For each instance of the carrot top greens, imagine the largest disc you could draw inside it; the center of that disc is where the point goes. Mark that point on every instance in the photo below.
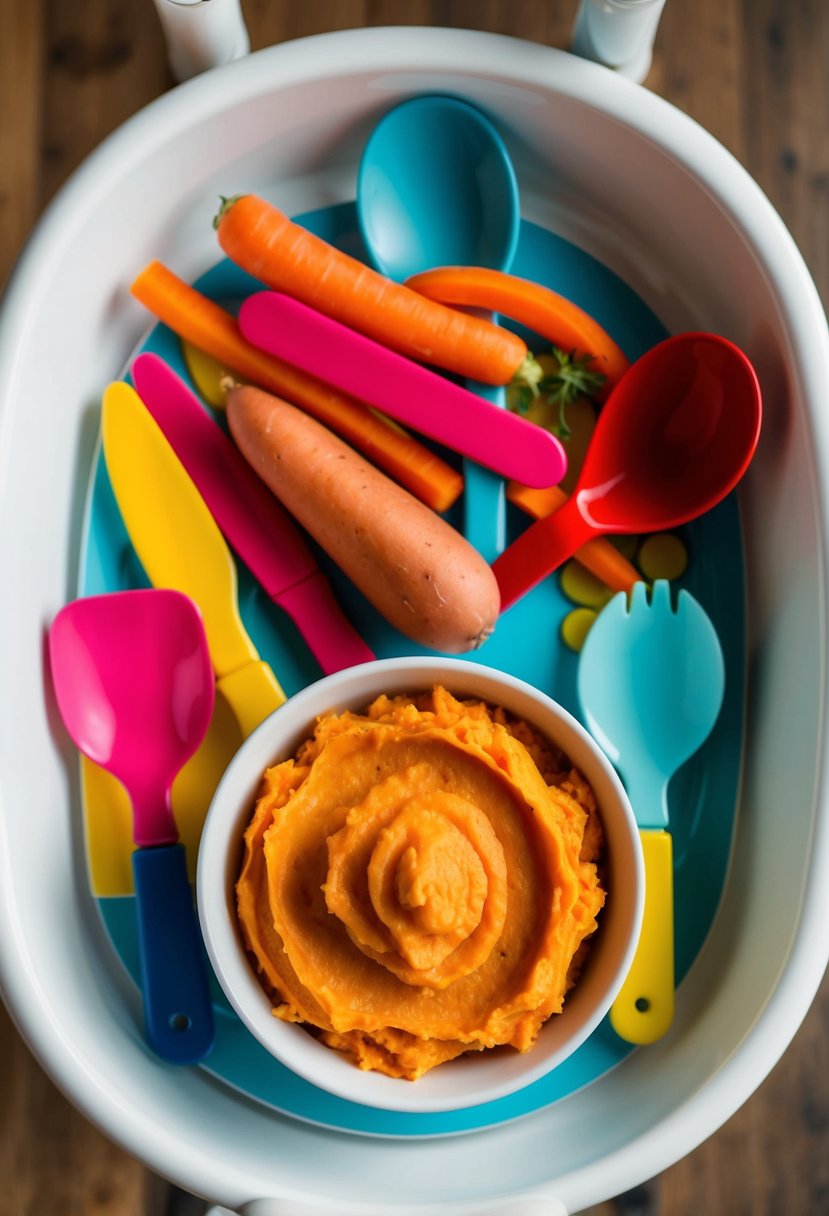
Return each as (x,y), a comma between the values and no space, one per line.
(572,378)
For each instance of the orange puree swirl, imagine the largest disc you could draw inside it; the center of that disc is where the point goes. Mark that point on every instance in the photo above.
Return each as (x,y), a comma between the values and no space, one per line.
(416,880)
(419,880)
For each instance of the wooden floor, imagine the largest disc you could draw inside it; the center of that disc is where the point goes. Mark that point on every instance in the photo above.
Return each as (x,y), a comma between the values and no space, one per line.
(756,74)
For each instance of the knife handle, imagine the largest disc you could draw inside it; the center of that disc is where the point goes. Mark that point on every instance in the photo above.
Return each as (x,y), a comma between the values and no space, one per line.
(330,636)
(178,1013)
(644,1009)
(252,692)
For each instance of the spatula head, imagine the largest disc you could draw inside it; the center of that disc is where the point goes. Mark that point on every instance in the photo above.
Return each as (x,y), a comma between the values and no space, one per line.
(134,682)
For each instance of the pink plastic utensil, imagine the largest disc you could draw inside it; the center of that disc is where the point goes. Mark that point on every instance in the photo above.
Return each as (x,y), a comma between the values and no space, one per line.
(402,389)
(251,518)
(673,438)
(134,686)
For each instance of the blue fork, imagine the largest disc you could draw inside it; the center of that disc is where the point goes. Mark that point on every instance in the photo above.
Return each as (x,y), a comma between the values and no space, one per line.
(651,681)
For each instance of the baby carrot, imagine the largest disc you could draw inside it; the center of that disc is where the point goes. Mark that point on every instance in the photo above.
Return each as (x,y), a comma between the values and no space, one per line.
(545,312)
(598,556)
(285,256)
(212,330)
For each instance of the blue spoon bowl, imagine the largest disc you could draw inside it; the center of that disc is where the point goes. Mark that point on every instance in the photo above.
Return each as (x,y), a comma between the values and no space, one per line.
(436,187)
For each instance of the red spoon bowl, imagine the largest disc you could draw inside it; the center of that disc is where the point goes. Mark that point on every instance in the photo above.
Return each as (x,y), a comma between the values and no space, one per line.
(674,437)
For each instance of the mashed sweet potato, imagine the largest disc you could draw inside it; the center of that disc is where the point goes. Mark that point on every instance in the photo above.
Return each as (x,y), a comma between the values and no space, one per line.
(420,881)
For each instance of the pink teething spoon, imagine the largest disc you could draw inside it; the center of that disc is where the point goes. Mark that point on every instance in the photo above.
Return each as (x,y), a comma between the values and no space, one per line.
(406,391)
(135,685)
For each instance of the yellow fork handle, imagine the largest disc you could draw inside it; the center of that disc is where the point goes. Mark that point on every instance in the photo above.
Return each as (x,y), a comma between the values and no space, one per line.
(644,1009)
(252,692)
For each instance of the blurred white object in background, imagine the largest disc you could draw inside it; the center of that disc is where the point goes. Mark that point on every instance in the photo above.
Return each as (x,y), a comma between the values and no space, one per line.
(618,34)
(202,34)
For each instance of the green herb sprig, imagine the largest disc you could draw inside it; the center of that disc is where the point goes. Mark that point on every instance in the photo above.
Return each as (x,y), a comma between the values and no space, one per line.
(573,378)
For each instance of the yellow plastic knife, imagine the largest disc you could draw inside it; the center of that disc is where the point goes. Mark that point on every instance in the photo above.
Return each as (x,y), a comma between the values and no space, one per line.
(180,546)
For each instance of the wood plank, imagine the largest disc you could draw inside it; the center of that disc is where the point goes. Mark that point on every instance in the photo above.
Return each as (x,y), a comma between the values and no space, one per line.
(105,61)
(787,139)
(21,49)
(698,65)
(753,72)
(269,24)
(52,1161)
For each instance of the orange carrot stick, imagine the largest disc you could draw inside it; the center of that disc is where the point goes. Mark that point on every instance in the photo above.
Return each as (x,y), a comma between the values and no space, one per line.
(287,257)
(598,556)
(545,312)
(215,332)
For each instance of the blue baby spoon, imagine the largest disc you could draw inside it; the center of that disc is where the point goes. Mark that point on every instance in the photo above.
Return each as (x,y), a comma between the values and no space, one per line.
(436,187)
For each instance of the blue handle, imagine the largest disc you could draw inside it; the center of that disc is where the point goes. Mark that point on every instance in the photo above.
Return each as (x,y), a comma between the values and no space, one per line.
(484,495)
(178,1012)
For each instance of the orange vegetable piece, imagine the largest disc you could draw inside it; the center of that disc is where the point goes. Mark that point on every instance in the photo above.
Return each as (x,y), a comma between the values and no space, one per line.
(545,312)
(215,332)
(285,256)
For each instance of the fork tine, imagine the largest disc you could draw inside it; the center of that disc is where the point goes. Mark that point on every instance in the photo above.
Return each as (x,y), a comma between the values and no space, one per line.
(661,596)
(639,598)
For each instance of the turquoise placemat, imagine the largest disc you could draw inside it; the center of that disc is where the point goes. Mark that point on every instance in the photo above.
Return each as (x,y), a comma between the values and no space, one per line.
(527,644)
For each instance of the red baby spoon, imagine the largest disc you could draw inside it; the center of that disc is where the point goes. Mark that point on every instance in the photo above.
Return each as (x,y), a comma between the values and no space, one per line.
(673,438)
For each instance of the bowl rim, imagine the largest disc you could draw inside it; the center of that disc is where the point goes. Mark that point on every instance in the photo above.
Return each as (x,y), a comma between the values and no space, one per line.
(276,738)
(84,1075)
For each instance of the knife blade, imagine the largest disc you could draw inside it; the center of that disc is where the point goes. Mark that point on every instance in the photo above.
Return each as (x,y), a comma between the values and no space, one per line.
(180,547)
(251,518)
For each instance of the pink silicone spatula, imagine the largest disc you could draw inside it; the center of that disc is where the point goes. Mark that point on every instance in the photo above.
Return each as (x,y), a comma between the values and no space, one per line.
(134,685)
(406,391)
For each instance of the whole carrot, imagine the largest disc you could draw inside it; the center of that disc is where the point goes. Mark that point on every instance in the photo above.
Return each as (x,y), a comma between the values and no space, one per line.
(285,256)
(212,330)
(545,312)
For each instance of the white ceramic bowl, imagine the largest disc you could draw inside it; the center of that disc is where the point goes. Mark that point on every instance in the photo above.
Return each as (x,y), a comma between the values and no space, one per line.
(459,1083)
(640,186)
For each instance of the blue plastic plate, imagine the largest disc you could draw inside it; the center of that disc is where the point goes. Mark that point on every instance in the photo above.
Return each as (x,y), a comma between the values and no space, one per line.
(527,644)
